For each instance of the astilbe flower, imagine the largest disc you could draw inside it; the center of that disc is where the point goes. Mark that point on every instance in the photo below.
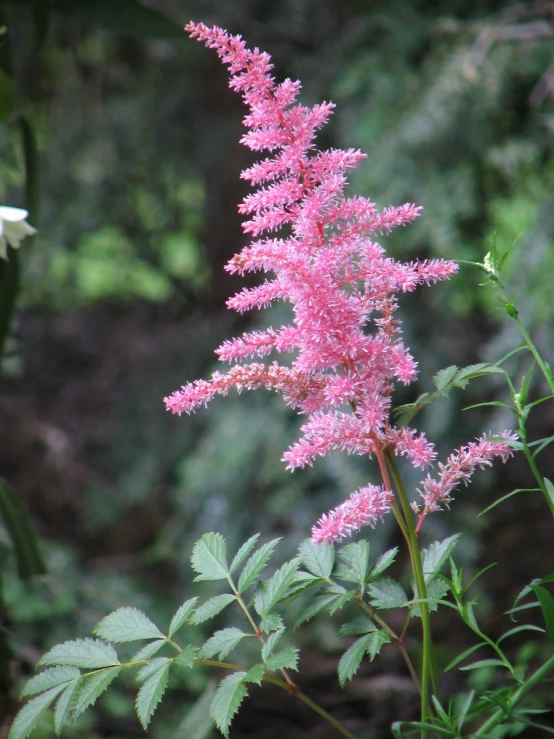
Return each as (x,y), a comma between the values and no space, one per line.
(320,249)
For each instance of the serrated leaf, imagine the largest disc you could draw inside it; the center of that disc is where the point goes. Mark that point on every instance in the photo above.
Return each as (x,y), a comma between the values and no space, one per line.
(209,558)
(384,562)
(271,643)
(444,377)
(222,642)
(243,552)
(62,712)
(435,555)
(226,702)
(212,607)
(332,601)
(317,558)
(92,686)
(465,374)
(272,622)
(256,564)
(358,625)
(255,674)
(87,653)
(126,624)
(182,615)
(436,589)
(151,693)
(353,562)
(284,659)
(153,666)
(369,644)
(149,650)
(302,581)
(49,679)
(26,719)
(187,656)
(351,660)
(277,585)
(387,593)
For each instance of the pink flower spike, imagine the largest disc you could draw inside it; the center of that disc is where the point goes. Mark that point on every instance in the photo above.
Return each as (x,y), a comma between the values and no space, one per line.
(460,466)
(363,508)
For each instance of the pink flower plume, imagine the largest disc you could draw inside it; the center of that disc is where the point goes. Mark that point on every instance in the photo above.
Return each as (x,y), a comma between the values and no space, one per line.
(364,507)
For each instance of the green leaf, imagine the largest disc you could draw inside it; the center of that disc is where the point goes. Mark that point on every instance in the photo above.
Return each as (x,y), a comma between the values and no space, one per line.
(436,590)
(222,642)
(353,562)
(267,597)
(151,693)
(351,659)
(384,562)
(126,624)
(435,555)
(317,558)
(92,686)
(387,593)
(230,693)
(332,601)
(547,607)
(182,615)
(62,712)
(149,650)
(549,488)
(127,17)
(27,554)
(484,663)
(271,643)
(243,552)
(272,622)
(209,558)
(444,378)
(358,625)
(152,667)
(255,565)
(87,653)
(212,607)
(26,719)
(255,674)
(187,656)
(49,679)
(285,659)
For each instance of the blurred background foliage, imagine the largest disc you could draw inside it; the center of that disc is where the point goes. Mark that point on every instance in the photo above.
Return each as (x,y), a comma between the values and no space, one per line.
(120,137)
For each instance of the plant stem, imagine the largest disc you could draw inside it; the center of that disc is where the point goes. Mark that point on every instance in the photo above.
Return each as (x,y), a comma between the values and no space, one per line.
(427,667)
(396,639)
(484,731)
(534,351)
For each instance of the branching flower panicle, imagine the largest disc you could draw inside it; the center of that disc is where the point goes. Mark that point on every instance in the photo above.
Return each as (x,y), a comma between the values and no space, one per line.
(320,250)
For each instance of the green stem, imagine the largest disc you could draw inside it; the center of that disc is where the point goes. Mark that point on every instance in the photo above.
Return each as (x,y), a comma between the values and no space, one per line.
(427,668)
(484,731)
(534,351)
(531,462)
(394,636)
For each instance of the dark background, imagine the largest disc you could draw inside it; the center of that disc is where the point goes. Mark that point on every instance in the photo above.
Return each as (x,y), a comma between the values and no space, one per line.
(134,187)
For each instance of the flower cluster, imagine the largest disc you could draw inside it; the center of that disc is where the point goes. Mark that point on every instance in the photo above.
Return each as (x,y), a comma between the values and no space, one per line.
(319,248)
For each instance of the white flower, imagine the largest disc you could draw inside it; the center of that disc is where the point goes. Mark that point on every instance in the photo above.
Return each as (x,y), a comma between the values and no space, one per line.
(13,228)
